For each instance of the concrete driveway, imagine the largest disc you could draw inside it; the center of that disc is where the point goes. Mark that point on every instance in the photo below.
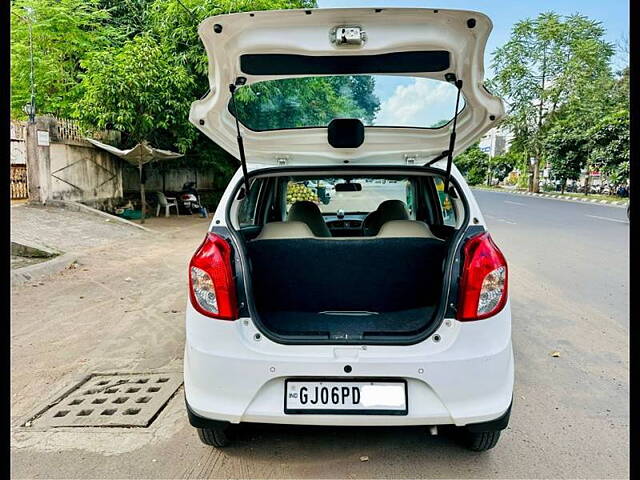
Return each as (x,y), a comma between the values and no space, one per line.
(123,309)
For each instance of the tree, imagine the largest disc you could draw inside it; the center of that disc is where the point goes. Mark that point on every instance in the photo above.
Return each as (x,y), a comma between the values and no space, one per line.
(304,102)
(141,90)
(64,33)
(175,24)
(129,17)
(502,165)
(590,132)
(566,147)
(439,123)
(610,146)
(546,63)
(473,163)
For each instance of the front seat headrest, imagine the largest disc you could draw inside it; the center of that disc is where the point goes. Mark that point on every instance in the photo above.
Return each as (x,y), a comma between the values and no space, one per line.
(309,213)
(393,210)
(387,211)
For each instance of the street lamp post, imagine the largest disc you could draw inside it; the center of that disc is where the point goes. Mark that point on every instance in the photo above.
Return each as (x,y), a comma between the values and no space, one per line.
(32,109)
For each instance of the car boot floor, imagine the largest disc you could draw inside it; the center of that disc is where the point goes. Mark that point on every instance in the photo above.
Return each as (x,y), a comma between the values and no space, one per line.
(352,324)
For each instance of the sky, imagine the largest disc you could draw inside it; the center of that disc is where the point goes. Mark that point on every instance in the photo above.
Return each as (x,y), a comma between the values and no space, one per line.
(409,101)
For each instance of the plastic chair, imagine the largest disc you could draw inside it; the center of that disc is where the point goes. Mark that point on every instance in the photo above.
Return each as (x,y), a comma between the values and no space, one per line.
(167,203)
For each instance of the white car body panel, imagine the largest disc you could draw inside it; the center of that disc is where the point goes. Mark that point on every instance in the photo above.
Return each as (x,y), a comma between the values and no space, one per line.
(464,378)
(467,377)
(390,30)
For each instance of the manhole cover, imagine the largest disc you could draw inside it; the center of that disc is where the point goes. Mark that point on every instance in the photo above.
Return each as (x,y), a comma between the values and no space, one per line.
(127,400)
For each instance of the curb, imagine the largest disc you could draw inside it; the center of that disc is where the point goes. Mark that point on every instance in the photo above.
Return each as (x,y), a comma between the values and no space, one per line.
(80,207)
(613,203)
(44,269)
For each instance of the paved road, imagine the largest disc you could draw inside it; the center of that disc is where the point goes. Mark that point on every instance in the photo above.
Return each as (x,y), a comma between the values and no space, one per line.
(580,250)
(122,311)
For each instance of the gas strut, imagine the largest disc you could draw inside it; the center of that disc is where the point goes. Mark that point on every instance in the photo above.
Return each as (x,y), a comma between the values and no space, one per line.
(452,140)
(243,160)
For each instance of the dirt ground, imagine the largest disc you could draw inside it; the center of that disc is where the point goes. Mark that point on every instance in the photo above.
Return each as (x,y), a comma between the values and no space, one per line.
(122,309)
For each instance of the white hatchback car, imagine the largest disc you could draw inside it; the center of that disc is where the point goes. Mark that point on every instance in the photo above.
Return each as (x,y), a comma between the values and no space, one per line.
(386,305)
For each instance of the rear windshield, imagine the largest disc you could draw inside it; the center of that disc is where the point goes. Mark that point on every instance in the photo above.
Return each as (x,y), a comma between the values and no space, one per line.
(377,100)
(352,195)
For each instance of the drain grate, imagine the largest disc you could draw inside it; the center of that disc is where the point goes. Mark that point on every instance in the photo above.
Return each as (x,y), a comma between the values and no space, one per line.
(127,400)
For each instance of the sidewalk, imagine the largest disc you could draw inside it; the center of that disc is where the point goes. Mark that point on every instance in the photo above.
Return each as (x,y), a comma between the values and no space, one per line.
(121,310)
(558,196)
(65,230)
(72,234)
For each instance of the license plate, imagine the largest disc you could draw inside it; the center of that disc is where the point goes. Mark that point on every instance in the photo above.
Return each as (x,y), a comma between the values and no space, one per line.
(367,397)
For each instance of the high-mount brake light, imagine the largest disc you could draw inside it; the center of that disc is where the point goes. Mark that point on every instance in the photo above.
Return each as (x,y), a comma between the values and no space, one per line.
(212,288)
(483,283)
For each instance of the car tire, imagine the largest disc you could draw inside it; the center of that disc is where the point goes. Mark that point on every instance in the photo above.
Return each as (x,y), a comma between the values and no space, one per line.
(480,441)
(215,436)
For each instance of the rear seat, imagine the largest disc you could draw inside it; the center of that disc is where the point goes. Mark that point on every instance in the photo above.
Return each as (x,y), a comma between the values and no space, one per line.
(399,269)
(405,229)
(281,230)
(391,229)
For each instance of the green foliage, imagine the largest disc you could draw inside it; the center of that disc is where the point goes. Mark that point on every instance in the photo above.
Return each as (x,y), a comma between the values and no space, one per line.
(171,22)
(473,164)
(134,65)
(175,26)
(130,17)
(502,165)
(591,131)
(304,102)
(610,146)
(548,62)
(566,148)
(64,33)
(140,90)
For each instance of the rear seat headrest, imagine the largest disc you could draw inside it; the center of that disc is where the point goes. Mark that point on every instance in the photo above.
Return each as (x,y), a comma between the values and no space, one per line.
(404,229)
(283,230)
(309,213)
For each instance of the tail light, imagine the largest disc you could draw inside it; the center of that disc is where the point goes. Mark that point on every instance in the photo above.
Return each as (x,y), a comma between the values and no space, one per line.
(211,285)
(483,284)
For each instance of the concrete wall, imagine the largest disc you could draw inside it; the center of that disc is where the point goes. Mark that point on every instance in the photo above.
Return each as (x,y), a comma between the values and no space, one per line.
(62,165)
(82,173)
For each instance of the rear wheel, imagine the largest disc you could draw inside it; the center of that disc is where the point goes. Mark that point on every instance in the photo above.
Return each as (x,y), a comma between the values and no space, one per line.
(215,436)
(480,441)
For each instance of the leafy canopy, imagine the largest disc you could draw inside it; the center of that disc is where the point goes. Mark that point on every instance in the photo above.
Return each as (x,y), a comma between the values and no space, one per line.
(306,102)
(473,164)
(139,89)
(548,62)
(64,33)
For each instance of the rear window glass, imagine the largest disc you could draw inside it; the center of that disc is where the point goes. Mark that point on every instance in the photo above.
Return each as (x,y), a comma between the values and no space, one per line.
(370,193)
(446,205)
(247,207)
(377,100)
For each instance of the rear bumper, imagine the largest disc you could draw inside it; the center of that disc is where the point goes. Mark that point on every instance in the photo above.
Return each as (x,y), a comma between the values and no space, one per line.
(465,378)
(496,425)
